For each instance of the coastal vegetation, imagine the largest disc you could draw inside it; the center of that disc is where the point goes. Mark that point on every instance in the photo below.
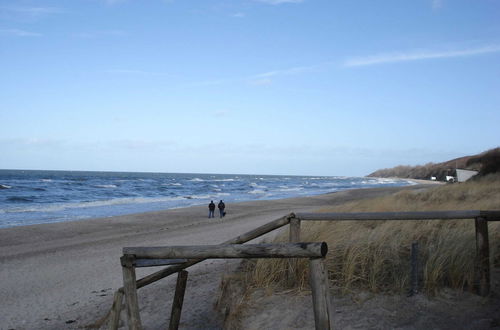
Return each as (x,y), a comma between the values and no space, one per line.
(375,255)
(486,162)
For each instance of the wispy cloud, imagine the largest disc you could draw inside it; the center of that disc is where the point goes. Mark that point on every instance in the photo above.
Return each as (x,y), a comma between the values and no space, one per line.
(264,78)
(286,72)
(33,12)
(279,2)
(18,33)
(418,55)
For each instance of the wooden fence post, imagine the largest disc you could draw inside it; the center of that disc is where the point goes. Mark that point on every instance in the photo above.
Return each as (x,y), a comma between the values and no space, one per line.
(414,269)
(180,289)
(116,309)
(482,262)
(318,278)
(292,270)
(130,288)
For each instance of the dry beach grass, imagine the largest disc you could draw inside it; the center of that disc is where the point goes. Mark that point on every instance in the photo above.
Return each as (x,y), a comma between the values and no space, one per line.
(368,264)
(375,255)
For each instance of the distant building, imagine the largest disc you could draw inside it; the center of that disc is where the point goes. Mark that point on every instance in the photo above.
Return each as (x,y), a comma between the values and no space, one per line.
(464,175)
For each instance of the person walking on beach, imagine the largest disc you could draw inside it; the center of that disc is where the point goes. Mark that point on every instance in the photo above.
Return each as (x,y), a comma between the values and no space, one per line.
(211,209)
(221,207)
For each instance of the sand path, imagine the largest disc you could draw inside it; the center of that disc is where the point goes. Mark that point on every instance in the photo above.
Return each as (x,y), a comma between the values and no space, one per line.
(63,275)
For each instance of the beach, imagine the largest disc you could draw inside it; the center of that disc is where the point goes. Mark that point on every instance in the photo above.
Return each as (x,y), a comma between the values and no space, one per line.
(63,275)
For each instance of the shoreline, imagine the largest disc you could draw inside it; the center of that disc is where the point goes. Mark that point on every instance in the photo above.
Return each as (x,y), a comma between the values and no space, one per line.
(63,275)
(47,207)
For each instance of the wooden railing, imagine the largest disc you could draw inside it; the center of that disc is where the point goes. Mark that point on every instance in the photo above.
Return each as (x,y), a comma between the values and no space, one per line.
(318,278)
(179,258)
(481,218)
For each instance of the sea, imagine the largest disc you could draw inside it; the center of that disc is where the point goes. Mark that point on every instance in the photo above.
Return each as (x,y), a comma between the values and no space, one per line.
(30,197)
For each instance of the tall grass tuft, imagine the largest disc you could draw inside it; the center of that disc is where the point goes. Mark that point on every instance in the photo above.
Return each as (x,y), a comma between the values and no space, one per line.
(375,255)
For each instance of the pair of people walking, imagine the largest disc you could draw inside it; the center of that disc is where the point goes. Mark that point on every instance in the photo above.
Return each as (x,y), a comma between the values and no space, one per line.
(211,209)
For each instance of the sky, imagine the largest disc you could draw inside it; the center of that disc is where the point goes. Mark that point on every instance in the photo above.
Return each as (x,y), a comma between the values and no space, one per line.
(293,87)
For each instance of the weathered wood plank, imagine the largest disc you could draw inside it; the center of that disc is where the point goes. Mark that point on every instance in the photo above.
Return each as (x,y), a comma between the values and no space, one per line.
(482,264)
(114,320)
(278,250)
(292,265)
(158,262)
(322,304)
(130,289)
(180,289)
(294,230)
(427,215)
(490,215)
(248,236)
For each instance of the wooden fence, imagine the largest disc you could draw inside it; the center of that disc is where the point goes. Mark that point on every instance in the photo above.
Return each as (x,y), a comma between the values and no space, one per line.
(181,257)
(318,278)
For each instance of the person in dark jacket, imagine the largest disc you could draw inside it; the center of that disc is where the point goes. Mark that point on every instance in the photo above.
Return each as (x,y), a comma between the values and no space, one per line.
(221,207)
(211,209)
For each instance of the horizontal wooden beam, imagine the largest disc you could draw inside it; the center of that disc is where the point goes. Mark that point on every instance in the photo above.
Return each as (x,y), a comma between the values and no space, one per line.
(490,215)
(279,250)
(157,262)
(427,215)
(248,236)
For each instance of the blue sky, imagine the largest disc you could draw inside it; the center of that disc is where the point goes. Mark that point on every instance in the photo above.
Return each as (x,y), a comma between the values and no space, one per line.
(247,86)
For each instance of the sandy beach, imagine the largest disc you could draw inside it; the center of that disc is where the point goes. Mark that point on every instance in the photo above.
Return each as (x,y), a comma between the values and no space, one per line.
(63,275)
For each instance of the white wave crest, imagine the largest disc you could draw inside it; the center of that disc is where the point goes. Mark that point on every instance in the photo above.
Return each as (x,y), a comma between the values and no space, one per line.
(257,191)
(106,186)
(291,189)
(255,185)
(116,201)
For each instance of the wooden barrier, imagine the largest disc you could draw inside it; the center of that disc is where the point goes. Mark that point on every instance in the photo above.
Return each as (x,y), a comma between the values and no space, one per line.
(248,236)
(131,260)
(482,260)
(314,251)
(227,251)
(180,289)
(428,215)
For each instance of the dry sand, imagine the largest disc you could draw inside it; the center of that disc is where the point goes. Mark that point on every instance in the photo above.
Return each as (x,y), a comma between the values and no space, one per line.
(63,275)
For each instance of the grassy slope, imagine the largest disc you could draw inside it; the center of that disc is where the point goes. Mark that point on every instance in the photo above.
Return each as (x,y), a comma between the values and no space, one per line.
(375,255)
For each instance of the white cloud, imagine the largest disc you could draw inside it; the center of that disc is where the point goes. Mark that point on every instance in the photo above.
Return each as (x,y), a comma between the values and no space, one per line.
(19,33)
(418,55)
(279,2)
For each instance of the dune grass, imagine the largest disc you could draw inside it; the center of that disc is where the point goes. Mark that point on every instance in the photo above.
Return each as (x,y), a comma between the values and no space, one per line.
(375,255)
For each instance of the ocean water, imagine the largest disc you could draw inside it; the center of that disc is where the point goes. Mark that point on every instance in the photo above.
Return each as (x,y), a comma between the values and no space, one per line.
(35,197)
